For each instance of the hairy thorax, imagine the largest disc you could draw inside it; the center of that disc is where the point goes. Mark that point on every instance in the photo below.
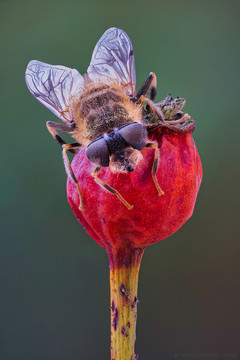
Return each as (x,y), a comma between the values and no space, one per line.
(101,108)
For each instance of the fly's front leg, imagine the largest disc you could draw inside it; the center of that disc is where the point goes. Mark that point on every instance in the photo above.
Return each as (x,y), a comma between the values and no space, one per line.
(110,189)
(69,171)
(155,167)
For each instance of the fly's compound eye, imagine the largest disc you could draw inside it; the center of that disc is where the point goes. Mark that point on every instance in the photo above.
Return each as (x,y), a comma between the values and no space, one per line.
(134,134)
(97,152)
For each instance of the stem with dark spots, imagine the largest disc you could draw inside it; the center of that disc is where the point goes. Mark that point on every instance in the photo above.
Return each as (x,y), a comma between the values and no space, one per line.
(124,270)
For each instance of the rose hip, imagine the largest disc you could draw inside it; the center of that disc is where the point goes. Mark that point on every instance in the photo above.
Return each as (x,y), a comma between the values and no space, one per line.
(125,233)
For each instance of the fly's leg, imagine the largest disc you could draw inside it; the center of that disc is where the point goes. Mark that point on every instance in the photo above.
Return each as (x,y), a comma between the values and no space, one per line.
(110,189)
(150,83)
(53,127)
(155,167)
(69,171)
(151,104)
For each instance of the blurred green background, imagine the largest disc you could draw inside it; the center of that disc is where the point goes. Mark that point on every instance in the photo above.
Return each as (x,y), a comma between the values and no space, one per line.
(54,291)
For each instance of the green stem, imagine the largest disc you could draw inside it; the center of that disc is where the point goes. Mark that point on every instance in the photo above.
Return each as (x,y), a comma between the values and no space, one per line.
(124,270)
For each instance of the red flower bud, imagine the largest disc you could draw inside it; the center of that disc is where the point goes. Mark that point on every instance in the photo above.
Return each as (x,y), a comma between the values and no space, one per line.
(153,218)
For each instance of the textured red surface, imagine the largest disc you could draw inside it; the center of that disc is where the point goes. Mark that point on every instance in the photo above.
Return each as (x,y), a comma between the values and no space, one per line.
(153,218)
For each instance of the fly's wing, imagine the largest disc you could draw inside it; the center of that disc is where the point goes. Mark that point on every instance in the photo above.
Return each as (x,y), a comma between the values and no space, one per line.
(113,58)
(53,86)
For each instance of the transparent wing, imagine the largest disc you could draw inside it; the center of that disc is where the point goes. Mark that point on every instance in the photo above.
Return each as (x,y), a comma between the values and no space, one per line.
(53,86)
(113,58)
